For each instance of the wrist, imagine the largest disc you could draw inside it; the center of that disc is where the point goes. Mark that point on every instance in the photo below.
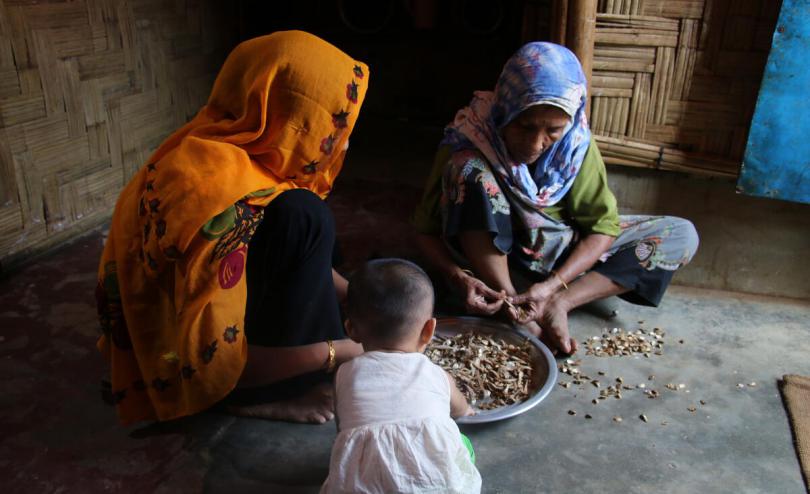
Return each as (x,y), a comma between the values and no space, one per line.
(455,275)
(560,300)
(330,363)
(545,289)
(346,349)
(558,281)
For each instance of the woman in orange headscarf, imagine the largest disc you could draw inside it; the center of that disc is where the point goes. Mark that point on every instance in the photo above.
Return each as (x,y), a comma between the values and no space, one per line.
(217,269)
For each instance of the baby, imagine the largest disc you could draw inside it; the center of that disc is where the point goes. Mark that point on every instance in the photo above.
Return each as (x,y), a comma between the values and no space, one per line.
(393,405)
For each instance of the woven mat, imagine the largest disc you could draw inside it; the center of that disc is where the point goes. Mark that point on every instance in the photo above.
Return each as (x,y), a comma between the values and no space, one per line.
(796,394)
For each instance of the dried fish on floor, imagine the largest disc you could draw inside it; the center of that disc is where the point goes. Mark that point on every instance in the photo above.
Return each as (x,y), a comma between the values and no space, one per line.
(618,342)
(490,372)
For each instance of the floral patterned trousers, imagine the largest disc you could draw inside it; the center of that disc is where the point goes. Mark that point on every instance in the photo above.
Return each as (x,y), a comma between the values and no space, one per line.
(643,258)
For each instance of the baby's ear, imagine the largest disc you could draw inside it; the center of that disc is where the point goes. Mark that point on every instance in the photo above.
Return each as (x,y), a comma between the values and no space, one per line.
(347,325)
(427,331)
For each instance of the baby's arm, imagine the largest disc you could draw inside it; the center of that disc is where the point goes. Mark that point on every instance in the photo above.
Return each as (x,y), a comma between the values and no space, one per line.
(458,403)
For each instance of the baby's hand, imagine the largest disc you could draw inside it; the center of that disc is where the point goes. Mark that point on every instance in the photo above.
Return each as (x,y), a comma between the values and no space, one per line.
(469,411)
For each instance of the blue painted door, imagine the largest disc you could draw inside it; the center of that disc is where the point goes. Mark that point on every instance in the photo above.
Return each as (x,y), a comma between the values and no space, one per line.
(777,158)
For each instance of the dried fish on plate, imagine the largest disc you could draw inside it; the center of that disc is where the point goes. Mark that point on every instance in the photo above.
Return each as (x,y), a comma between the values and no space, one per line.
(490,372)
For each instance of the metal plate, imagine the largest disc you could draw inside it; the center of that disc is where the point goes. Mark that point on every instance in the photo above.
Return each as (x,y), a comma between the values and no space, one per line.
(544,367)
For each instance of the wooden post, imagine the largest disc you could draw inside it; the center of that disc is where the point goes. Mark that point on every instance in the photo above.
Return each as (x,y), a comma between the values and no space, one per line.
(559,19)
(579,36)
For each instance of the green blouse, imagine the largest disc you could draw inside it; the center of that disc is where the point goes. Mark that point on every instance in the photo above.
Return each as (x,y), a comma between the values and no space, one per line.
(589,205)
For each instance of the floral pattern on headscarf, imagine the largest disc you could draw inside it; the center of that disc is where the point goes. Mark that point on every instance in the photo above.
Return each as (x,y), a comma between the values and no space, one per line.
(538,73)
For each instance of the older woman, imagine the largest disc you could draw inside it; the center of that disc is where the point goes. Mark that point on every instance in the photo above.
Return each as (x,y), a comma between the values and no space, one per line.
(217,270)
(519,183)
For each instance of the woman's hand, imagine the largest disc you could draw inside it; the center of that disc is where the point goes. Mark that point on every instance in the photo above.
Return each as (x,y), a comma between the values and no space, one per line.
(530,305)
(539,308)
(478,297)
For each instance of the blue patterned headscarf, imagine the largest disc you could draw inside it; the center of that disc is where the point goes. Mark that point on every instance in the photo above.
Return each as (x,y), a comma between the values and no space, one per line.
(538,73)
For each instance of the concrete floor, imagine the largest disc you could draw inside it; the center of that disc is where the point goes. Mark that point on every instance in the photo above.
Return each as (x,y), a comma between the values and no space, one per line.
(56,434)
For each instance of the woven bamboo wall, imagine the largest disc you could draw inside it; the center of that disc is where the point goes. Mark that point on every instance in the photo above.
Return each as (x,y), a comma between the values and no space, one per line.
(88,89)
(675,82)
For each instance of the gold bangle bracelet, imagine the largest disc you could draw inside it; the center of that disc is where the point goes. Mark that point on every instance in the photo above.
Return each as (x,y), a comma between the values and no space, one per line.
(331,360)
(557,275)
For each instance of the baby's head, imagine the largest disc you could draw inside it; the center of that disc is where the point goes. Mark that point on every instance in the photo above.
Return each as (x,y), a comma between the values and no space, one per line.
(390,306)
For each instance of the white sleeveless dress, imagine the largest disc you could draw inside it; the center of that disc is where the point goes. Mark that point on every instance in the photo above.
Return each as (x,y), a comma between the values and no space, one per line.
(395,433)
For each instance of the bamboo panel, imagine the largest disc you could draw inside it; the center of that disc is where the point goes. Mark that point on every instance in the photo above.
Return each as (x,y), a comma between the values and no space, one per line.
(10,219)
(612,92)
(9,83)
(617,80)
(19,110)
(6,53)
(641,53)
(711,30)
(29,80)
(610,112)
(605,20)
(639,106)
(661,84)
(97,143)
(636,37)
(96,65)
(88,89)
(674,82)
(685,60)
(29,192)
(605,64)
(632,7)
(643,155)
(7,188)
(598,114)
(690,115)
(664,134)
(677,9)
(623,115)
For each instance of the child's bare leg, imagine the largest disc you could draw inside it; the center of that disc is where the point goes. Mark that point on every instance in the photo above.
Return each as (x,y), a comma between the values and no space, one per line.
(316,406)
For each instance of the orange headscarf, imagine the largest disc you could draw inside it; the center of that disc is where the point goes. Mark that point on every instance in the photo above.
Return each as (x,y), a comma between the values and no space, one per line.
(171,286)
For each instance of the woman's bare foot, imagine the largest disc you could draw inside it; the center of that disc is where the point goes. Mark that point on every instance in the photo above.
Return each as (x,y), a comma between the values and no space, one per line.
(316,406)
(555,328)
(533,328)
